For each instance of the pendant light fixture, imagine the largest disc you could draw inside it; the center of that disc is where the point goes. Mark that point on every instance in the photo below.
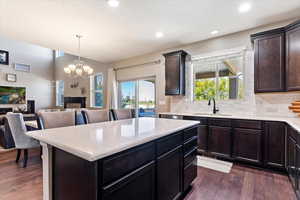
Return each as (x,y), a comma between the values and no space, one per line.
(79,68)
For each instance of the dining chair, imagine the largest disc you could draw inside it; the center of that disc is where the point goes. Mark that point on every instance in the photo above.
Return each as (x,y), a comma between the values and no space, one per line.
(119,114)
(22,141)
(96,116)
(56,119)
(79,118)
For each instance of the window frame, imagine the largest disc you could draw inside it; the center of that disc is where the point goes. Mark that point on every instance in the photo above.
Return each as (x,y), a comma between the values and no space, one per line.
(192,77)
(93,91)
(137,91)
(57,93)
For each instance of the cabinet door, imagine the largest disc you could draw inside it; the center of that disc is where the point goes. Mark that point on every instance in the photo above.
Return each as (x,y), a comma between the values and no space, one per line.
(269,64)
(247,145)
(172,64)
(169,175)
(274,155)
(202,138)
(293,59)
(291,165)
(135,186)
(219,141)
(297,172)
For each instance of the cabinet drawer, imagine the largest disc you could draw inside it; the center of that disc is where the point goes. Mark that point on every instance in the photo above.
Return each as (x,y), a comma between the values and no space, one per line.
(220,122)
(140,184)
(251,124)
(168,143)
(203,121)
(190,157)
(190,133)
(190,145)
(190,173)
(125,162)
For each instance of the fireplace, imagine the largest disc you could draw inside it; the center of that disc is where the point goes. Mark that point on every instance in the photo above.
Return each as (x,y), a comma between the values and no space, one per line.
(74,102)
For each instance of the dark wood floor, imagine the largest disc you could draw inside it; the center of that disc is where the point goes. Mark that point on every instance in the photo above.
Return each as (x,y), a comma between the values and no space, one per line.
(242,183)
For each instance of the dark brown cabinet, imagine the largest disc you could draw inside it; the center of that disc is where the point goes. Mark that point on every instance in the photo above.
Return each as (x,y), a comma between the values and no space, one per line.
(291,156)
(175,63)
(277,59)
(247,145)
(293,57)
(202,132)
(274,139)
(162,169)
(202,138)
(219,141)
(297,170)
(169,175)
(269,61)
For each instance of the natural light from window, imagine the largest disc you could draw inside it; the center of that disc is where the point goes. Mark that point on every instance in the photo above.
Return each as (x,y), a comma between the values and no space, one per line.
(218,77)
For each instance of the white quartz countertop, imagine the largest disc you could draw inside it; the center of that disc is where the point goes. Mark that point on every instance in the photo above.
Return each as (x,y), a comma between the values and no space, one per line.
(95,141)
(292,121)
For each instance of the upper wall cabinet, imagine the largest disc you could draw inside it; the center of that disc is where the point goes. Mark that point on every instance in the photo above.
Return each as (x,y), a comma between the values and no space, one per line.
(175,63)
(293,57)
(277,59)
(269,61)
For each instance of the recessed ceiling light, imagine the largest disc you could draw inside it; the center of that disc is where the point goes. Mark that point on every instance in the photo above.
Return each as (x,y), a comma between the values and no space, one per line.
(159,34)
(214,32)
(245,7)
(113,3)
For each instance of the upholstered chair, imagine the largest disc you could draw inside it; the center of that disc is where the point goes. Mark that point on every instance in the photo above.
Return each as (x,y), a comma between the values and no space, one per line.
(96,116)
(119,114)
(79,118)
(56,119)
(22,141)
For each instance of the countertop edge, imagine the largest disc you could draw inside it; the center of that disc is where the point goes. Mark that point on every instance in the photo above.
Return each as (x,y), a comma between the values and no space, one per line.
(92,158)
(289,120)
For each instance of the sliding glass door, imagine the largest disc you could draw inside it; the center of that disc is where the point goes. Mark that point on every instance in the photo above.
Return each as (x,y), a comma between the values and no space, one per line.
(138,95)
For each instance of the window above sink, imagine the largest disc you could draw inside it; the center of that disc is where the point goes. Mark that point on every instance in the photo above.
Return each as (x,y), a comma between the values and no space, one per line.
(221,77)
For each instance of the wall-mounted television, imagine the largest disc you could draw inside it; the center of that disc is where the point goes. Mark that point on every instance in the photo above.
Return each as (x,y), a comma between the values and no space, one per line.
(12,95)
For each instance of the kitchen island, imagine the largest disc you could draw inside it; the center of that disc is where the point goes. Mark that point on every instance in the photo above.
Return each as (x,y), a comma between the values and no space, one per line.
(142,158)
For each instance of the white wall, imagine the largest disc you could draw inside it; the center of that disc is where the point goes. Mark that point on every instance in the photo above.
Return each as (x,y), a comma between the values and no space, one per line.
(272,104)
(98,67)
(39,82)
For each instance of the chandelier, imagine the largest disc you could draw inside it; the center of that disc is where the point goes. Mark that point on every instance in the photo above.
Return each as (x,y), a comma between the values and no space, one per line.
(78,68)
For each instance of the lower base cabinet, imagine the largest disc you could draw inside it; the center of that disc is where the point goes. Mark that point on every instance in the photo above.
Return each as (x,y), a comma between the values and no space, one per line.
(190,173)
(158,170)
(291,160)
(219,141)
(202,138)
(247,145)
(169,175)
(274,145)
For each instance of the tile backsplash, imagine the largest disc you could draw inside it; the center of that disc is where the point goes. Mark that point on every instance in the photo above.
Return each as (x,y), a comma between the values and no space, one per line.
(263,104)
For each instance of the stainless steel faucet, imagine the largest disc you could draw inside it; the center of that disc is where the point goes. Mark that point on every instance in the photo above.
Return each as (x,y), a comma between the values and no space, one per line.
(215,110)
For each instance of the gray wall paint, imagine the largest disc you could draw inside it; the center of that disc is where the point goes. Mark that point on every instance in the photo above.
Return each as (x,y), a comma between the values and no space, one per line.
(98,67)
(39,82)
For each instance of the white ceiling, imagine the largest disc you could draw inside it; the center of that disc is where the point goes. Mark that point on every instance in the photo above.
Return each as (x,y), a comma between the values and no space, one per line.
(112,34)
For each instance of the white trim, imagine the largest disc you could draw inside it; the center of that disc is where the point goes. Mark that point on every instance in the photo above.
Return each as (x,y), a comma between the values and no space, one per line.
(241,51)
(93,91)
(219,53)
(136,107)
